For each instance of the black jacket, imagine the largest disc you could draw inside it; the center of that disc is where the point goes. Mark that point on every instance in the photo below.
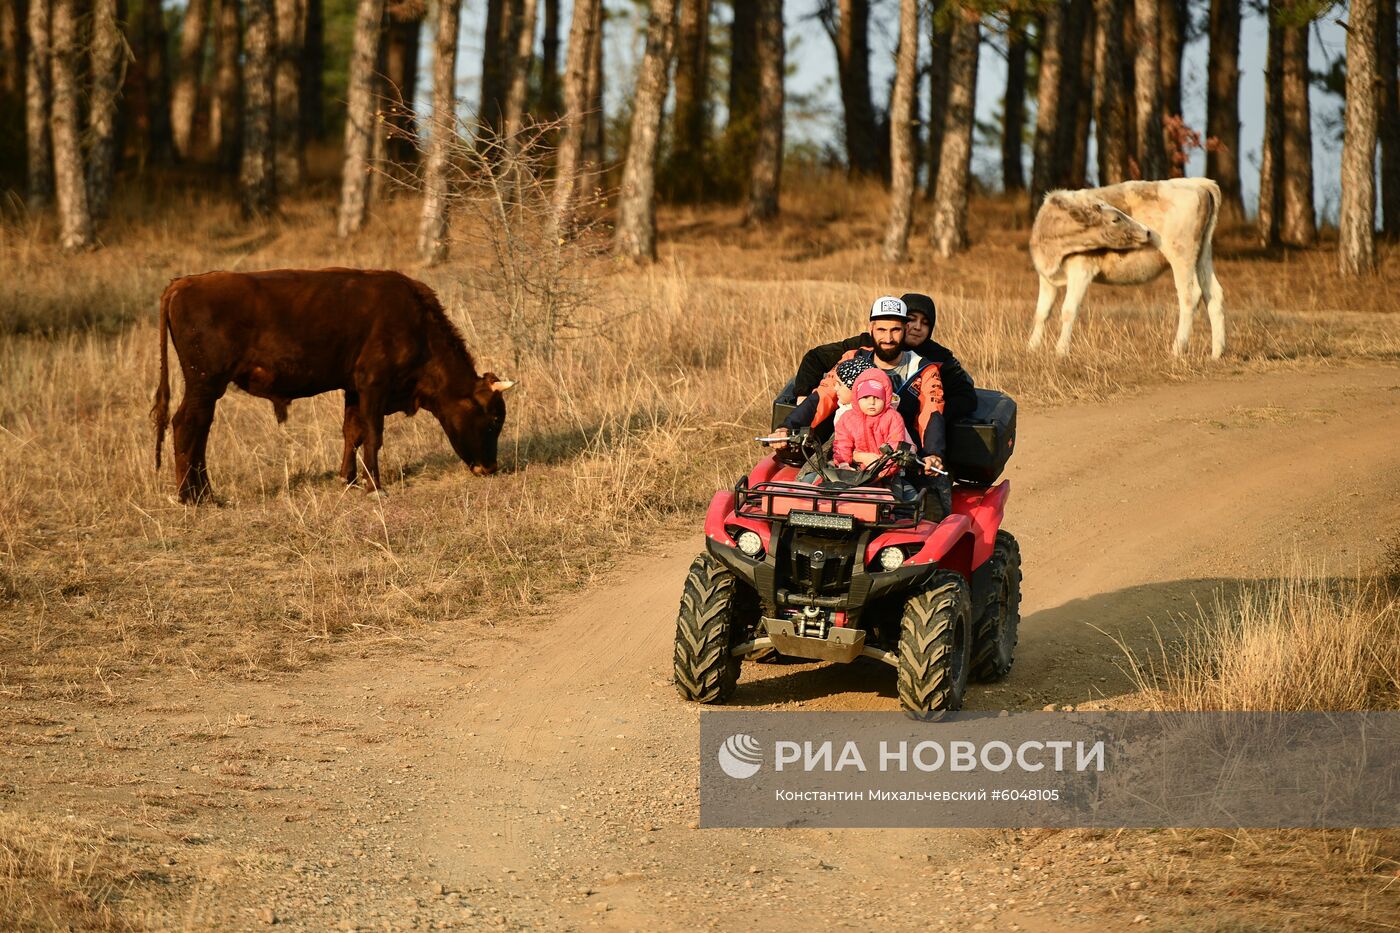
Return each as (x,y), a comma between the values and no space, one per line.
(959,394)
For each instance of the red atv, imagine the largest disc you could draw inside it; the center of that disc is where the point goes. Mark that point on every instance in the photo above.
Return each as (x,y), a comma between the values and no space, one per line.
(847,565)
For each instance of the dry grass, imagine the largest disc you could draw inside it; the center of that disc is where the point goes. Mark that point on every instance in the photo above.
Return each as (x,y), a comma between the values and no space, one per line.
(1304,641)
(52,879)
(620,438)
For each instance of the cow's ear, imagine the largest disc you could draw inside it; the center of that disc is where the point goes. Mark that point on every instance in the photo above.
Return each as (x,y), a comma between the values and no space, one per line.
(1084,214)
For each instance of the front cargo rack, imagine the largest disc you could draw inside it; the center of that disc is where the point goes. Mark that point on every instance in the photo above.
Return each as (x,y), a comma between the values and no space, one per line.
(807,506)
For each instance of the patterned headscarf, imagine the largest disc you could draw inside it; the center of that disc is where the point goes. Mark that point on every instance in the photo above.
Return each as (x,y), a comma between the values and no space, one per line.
(849,370)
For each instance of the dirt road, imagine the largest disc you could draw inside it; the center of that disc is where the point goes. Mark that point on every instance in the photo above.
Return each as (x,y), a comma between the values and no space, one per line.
(546,777)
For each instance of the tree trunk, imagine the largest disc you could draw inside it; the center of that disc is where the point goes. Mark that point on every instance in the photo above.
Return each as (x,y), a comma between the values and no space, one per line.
(896,248)
(583,30)
(1147,93)
(494,61)
(225,114)
(359,118)
(743,85)
(74,218)
(1173,18)
(549,62)
(520,62)
(258,175)
(432,230)
(765,174)
(13,48)
(108,64)
(1223,107)
(595,125)
(402,37)
(155,71)
(37,100)
(1076,141)
(1051,113)
(853,68)
(686,173)
(1357,223)
(1110,115)
(954,164)
(1271,153)
(189,65)
(313,64)
(1298,225)
(291,43)
(1013,122)
(1389,120)
(636,210)
(941,46)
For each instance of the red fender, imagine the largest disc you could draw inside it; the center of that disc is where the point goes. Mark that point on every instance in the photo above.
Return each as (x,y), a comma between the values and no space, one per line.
(946,536)
(770,470)
(986,509)
(721,508)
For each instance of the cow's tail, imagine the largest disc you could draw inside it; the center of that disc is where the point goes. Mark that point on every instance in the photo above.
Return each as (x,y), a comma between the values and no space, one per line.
(160,411)
(1213,191)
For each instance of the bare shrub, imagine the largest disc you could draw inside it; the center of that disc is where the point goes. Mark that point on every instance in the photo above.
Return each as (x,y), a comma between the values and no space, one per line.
(504,240)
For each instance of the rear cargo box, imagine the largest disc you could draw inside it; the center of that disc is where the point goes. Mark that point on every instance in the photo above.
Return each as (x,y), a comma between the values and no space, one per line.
(980,444)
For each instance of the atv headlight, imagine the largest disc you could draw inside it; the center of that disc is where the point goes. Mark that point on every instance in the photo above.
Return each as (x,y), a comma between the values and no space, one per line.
(750,543)
(890,558)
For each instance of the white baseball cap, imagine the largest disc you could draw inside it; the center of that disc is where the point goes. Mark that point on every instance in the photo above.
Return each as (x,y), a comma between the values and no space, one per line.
(889,307)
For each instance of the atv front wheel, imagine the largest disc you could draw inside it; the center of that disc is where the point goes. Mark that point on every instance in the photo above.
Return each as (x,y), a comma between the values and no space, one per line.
(994,633)
(934,647)
(706,669)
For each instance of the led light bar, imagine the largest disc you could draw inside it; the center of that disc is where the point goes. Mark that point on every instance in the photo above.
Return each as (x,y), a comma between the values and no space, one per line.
(825,521)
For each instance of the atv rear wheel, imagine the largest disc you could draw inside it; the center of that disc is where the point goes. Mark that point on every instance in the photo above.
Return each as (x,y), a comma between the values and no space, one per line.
(706,670)
(994,633)
(935,642)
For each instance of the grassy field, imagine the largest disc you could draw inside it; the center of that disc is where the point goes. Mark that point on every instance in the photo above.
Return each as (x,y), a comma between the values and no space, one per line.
(643,411)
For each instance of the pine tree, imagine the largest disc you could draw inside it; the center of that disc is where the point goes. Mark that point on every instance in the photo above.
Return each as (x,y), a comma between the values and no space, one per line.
(359,118)
(582,33)
(949,228)
(290,45)
(1357,224)
(432,231)
(765,172)
(635,237)
(74,218)
(37,105)
(258,171)
(1013,113)
(896,246)
(1223,106)
(189,64)
(108,64)
(1147,92)
(1110,113)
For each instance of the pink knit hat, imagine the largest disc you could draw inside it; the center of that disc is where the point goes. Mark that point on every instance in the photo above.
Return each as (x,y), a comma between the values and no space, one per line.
(873,382)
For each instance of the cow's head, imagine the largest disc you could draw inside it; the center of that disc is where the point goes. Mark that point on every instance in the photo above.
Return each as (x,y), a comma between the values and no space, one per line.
(1103,223)
(1077,222)
(473,422)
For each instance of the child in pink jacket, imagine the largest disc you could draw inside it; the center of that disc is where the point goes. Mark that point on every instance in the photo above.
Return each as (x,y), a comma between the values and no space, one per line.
(870,423)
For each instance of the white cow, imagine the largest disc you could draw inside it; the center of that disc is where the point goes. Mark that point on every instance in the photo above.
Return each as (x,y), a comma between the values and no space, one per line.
(1082,236)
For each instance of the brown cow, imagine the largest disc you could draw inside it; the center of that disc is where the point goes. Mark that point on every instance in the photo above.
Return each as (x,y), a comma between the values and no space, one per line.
(380,336)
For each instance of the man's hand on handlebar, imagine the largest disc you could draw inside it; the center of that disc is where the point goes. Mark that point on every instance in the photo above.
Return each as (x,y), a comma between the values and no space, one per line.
(933,465)
(778,432)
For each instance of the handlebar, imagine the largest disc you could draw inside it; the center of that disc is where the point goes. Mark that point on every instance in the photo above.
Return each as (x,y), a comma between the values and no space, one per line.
(810,448)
